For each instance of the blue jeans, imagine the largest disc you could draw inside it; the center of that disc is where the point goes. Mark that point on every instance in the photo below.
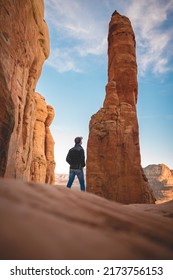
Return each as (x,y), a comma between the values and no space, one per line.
(79,173)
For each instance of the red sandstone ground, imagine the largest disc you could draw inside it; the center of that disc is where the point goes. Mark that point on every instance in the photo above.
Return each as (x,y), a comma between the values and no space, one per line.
(50,222)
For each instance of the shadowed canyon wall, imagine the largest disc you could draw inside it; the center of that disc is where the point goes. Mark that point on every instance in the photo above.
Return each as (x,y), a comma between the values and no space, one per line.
(24,45)
(113,154)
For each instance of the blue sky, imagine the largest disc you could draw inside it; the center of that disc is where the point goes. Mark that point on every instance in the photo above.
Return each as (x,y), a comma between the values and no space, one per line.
(73,78)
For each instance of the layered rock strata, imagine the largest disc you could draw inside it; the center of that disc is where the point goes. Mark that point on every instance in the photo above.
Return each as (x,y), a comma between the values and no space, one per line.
(43,164)
(24,44)
(113,154)
(160,178)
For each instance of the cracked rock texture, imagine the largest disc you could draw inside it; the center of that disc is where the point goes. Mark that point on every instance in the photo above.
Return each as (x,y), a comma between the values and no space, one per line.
(24,44)
(36,223)
(113,154)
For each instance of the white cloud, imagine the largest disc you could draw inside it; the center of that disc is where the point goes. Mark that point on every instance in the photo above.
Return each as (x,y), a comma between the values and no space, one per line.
(148,18)
(82,26)
(77,34)
(97,49)
(76,21)
(63,60)
(68,16)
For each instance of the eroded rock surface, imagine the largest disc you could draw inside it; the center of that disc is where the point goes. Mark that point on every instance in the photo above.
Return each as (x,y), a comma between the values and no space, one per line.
(39,163)
(24,44)
(160,178)
(113,154)
(43,164)
(49,147)
(41,222)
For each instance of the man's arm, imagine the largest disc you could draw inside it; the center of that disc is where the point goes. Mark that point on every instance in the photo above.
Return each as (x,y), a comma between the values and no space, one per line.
(68,158)
(83,158)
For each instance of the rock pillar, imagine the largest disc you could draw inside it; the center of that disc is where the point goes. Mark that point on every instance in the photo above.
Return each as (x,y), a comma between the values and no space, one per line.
(113,154)
(39,163)
(49,147)
(43,163)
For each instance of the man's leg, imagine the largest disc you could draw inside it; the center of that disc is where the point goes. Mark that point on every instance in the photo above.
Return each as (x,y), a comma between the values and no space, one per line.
(71,178)
(80,176)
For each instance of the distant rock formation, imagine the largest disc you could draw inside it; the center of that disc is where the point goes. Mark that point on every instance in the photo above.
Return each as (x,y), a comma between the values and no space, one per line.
(160,178)
(62,179)
(24,43)
(55,223)
(113,154)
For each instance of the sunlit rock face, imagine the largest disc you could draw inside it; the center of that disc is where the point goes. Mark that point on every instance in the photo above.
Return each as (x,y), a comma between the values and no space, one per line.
(39,163)
(43,164)
(113,154)
(160,178)
(24,44)
(49,147)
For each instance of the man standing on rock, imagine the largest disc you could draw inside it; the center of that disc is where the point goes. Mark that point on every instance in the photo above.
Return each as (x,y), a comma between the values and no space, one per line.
(76,159)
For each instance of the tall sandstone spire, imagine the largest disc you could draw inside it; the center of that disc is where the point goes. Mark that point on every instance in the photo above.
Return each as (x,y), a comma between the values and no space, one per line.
(113,154)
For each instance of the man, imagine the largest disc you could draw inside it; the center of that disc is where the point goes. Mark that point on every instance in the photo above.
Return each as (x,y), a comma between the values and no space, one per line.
(76,159)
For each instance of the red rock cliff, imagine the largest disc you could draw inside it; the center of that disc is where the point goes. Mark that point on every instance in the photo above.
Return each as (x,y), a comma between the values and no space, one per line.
(113,154)
(24,44)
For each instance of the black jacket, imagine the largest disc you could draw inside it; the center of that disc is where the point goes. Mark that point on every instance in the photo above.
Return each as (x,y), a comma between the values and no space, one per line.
(76,157)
